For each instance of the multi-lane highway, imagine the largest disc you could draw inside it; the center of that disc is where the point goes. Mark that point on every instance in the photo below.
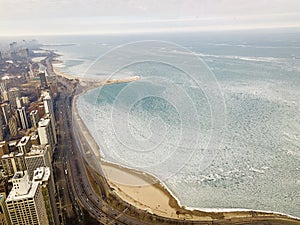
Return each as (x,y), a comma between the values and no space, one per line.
(77,176)
(69,209)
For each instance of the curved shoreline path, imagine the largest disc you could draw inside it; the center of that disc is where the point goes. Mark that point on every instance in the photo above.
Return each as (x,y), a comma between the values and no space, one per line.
(154,198)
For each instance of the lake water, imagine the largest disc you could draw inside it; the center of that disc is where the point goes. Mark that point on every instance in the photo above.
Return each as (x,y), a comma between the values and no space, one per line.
(215,116)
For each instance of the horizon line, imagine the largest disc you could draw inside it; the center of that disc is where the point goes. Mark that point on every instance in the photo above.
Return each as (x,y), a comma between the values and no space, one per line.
(157,31)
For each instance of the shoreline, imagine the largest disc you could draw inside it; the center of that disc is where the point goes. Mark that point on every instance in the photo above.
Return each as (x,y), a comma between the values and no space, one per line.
(188,213)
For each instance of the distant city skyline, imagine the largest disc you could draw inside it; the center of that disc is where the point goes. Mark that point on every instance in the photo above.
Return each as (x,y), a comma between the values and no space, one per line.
(140,16)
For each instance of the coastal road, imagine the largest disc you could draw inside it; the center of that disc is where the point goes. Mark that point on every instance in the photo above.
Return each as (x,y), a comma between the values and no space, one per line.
(68,208)
(79,180)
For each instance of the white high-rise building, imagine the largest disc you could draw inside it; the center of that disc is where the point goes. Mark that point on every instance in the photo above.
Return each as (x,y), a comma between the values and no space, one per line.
(34,118)
(43,175)
(49,111)
(46,133)
(19,103)
(5,112)
(24,144)
(48,104)
(22,118)
(51,117)
(38,156)
(25,202)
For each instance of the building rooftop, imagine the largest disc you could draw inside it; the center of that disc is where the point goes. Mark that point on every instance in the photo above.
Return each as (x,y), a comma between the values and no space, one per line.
(12,155)
(18,175)
(24,140)
(44,122)
(13,142)
(14,196)
(33,112)
(19,154)
(45,93)
(22,187)
(41,174)
(34,136)
(47,97)
(14,89)
(37,150)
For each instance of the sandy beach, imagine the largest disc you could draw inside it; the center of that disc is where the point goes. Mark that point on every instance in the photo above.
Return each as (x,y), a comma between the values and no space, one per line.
(60,73)
(139,190)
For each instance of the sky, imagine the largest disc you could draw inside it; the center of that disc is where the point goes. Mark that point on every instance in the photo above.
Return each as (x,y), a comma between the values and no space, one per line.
(44,17)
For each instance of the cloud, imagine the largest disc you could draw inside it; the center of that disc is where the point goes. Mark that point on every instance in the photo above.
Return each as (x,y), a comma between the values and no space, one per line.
(54,16)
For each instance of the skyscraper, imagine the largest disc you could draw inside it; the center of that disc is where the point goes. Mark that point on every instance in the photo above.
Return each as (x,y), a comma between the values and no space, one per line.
(21,112)
(12,163)
(12,125)
(5,112)
(24,144)
(51,117)
(3,148)
(1,129)
(4,95)
(3,90)
(19,103)
(34,118)
(13,94)
(49,112)
(25,202)
(22,118)
(43,80)
(48,104)
(46,133)
(43,175)
(4,216)
(38,156)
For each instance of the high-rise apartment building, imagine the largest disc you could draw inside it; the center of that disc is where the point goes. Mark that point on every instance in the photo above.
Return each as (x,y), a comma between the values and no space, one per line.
(12,163)
(13,94)
(4,216)
(3,148)
(34,118)
(25,202)
(21,112)
(3,91)
(5,112)
(43,175)
(52,120)
(48,104)
(49,112)
(45,132)
(38,156)
(24,144)
(43,79)
(22,118)
(1,129)
(13,126)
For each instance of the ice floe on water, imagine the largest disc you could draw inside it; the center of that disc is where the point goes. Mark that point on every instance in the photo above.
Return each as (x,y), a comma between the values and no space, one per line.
(255,167)
(257,164)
